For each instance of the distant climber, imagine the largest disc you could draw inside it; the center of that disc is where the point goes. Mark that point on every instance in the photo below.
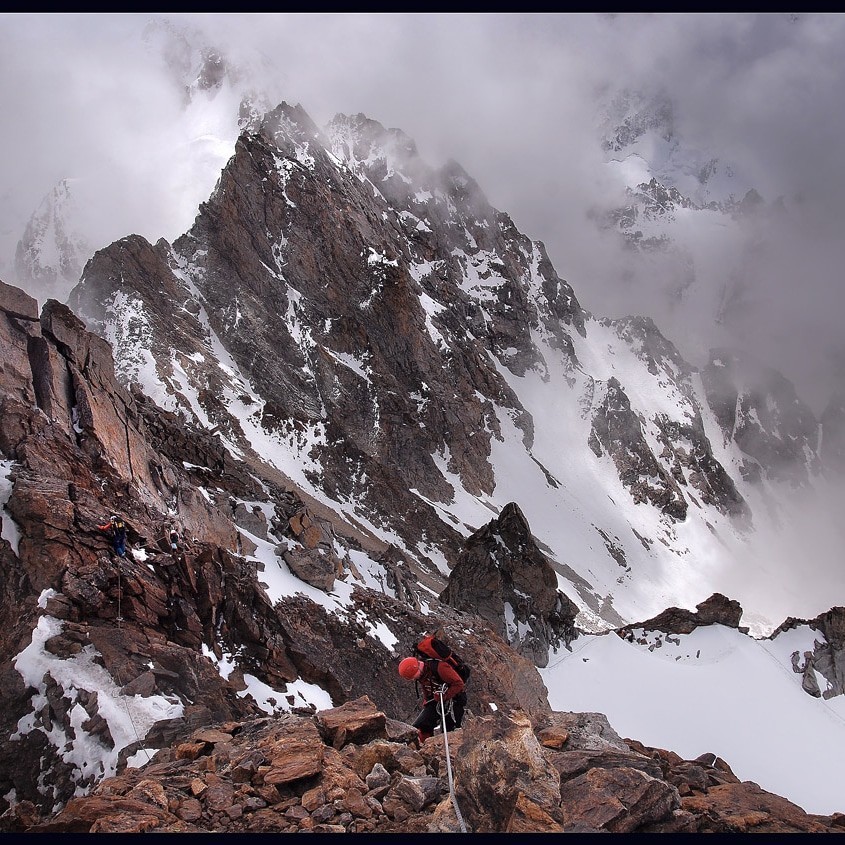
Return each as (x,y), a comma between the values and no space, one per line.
(173,538)
(441,687)
(115,528)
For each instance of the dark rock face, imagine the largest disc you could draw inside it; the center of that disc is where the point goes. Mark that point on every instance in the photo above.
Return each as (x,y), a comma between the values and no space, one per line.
(686,459)
(690,454)
(504,577)
(617,430)
(827,657)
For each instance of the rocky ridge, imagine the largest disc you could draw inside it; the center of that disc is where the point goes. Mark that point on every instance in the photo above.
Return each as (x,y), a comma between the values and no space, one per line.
(77,446)
(351,769)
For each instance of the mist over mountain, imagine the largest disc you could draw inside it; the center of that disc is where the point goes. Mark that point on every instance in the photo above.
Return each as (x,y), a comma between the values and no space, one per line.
(374,403)
(444,285)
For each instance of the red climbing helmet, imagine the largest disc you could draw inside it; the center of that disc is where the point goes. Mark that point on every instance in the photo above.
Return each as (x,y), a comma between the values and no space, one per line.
(410,668)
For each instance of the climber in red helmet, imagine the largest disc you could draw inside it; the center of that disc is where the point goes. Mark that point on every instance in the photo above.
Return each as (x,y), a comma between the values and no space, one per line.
(438,680)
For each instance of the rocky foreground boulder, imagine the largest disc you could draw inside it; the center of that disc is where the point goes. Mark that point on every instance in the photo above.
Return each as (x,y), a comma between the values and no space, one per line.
(351,769)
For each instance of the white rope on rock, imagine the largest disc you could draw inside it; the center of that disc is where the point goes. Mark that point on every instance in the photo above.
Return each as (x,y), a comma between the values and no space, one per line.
(442,709)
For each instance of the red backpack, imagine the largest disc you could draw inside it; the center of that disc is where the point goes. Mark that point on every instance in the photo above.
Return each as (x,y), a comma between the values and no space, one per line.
(431,647)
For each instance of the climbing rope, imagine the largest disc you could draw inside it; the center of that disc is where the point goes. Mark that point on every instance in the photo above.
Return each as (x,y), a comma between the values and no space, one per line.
(119,593)
(119,673)
(442,709)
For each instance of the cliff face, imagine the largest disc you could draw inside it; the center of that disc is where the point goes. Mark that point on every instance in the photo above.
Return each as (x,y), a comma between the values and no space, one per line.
(160,624)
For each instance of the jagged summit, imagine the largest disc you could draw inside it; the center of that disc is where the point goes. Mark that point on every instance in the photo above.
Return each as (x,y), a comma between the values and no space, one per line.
(52,250)
(392,344)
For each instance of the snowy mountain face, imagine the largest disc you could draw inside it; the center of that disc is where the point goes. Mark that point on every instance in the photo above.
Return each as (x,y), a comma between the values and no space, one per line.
(234,681)
(52,251)
(692,223)
(378,333)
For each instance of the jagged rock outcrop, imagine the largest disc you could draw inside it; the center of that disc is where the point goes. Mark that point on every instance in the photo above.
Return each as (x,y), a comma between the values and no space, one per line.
(351,769)
(825,657)
(716,610)
(502,575)
(617,430)
(685,469)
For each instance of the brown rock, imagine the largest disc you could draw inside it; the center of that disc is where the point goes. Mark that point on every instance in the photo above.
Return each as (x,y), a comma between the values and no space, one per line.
(553,737)
(744,808)
(527,817)
(355,803)
(220,793)
(211,735)
(150,792)
(500,758)
(189,750)
(110,814)
(570,764)
(313,798)
(616,800)
(717,609)
(16,303)
(189,810)
(296,754)
(359,720)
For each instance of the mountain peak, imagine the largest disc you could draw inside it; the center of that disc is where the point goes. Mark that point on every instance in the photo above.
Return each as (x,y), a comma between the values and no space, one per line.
(51,251)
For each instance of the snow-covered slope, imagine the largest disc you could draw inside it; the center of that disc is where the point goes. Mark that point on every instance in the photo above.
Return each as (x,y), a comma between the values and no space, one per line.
(714,691)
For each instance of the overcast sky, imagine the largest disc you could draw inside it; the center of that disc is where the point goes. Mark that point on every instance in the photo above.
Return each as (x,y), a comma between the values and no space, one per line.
(513,98)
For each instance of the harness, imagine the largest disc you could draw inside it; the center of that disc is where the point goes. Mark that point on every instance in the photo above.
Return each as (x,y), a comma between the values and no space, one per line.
(426,681)
(432,686)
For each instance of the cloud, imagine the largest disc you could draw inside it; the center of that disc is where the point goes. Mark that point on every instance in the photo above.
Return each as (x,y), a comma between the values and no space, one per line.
(514,98)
